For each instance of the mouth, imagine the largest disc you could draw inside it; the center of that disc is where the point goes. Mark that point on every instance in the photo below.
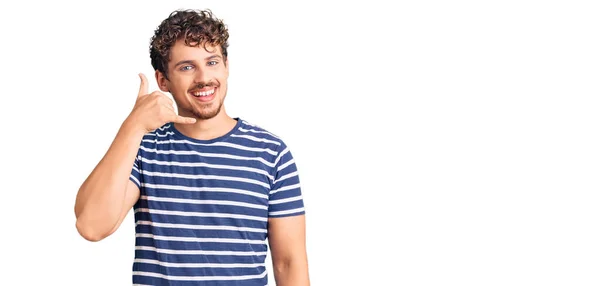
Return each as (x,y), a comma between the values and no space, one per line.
(204,95)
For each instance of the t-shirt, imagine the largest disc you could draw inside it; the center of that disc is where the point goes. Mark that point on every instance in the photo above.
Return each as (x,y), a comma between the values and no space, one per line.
(204,205)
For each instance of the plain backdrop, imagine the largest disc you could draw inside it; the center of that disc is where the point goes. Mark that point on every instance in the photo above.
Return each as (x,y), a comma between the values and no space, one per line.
(438,142)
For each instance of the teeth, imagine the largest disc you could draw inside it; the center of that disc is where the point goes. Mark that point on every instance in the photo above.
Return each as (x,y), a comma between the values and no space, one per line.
(204,93)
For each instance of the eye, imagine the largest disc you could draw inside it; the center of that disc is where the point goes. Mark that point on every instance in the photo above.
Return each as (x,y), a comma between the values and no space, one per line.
(212,63)
(186,68)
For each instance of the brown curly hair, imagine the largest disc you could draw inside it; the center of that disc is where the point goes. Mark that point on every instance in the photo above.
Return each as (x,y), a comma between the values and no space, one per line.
(196,27)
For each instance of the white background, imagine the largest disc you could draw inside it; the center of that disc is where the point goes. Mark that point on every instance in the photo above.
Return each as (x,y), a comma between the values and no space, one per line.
(438,142)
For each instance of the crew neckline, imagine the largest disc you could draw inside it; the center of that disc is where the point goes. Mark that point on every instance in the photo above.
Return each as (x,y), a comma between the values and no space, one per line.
(177,133)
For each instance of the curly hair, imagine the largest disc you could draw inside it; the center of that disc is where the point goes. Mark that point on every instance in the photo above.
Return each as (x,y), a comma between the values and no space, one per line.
(196,27)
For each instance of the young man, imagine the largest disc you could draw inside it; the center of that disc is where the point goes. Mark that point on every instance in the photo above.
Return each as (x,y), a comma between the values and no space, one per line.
(207,189)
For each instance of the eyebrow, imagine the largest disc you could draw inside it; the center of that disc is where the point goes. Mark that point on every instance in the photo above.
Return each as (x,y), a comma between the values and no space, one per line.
(213,57)
(190,62)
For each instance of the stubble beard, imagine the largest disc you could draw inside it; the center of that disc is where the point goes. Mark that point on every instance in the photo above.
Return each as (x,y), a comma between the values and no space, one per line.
(207,111)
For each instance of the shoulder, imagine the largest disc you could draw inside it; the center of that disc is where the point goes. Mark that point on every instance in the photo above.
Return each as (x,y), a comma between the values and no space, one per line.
(161,132)
(151,139)
(249,129)
(279,148)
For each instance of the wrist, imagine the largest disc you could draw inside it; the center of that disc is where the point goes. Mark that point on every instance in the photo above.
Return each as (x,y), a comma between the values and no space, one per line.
(131,127)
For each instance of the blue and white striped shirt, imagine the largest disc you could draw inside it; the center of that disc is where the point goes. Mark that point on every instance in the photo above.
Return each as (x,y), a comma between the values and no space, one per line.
(204,204)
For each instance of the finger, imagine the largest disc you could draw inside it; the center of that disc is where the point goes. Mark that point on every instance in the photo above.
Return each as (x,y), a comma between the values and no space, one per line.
(184,120)
(162,98)
(143,85)
(169,106)
(168,99)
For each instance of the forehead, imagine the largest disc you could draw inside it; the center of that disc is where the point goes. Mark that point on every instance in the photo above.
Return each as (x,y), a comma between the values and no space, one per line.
(180,51)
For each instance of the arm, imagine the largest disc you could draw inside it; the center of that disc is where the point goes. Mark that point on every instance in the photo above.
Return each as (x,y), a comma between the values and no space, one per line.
(107,195)
(287,241)
(286,224)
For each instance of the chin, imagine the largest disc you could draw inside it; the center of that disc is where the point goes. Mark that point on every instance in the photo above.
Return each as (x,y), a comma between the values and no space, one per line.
(206,114)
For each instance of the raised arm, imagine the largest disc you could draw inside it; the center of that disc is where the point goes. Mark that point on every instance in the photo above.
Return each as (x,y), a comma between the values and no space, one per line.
(106,196)
(101,200)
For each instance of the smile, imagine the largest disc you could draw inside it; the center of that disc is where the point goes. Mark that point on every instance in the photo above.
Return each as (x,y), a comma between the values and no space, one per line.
(203,93)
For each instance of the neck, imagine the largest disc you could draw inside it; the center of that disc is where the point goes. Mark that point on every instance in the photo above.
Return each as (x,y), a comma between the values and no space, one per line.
(208,129)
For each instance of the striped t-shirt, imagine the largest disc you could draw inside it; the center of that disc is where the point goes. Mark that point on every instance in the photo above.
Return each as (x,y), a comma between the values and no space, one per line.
(204,204)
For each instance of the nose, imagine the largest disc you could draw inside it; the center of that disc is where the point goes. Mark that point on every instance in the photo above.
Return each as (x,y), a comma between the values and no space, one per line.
(202,76)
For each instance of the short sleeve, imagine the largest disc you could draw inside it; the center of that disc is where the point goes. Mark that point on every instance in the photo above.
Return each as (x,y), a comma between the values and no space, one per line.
(136,176)
(285,196)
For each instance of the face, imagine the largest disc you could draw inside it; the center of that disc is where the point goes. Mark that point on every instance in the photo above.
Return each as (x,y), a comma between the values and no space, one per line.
(197,79)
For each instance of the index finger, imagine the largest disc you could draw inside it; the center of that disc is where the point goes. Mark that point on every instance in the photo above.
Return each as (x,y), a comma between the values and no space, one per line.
(143,85)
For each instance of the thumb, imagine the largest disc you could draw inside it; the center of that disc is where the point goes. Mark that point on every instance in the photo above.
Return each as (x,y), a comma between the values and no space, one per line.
(143,85)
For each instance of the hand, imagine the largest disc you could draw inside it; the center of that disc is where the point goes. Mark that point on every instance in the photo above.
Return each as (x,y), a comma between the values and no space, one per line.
(153,110)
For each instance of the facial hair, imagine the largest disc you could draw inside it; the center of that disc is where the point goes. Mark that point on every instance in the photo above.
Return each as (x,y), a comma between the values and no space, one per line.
(207,110)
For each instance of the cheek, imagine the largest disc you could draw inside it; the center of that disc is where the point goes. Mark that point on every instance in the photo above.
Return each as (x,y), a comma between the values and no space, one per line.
(222,77)
(180,86)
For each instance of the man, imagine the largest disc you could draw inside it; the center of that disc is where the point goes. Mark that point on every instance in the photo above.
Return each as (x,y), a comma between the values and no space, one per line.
(207,189)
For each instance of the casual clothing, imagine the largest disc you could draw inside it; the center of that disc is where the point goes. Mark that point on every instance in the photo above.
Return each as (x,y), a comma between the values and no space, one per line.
(204,204)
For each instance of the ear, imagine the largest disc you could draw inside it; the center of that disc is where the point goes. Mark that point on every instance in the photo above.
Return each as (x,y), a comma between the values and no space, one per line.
(162,81)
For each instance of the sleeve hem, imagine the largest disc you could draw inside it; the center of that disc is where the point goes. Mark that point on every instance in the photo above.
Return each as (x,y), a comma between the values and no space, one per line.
(134,180)
(286,215)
